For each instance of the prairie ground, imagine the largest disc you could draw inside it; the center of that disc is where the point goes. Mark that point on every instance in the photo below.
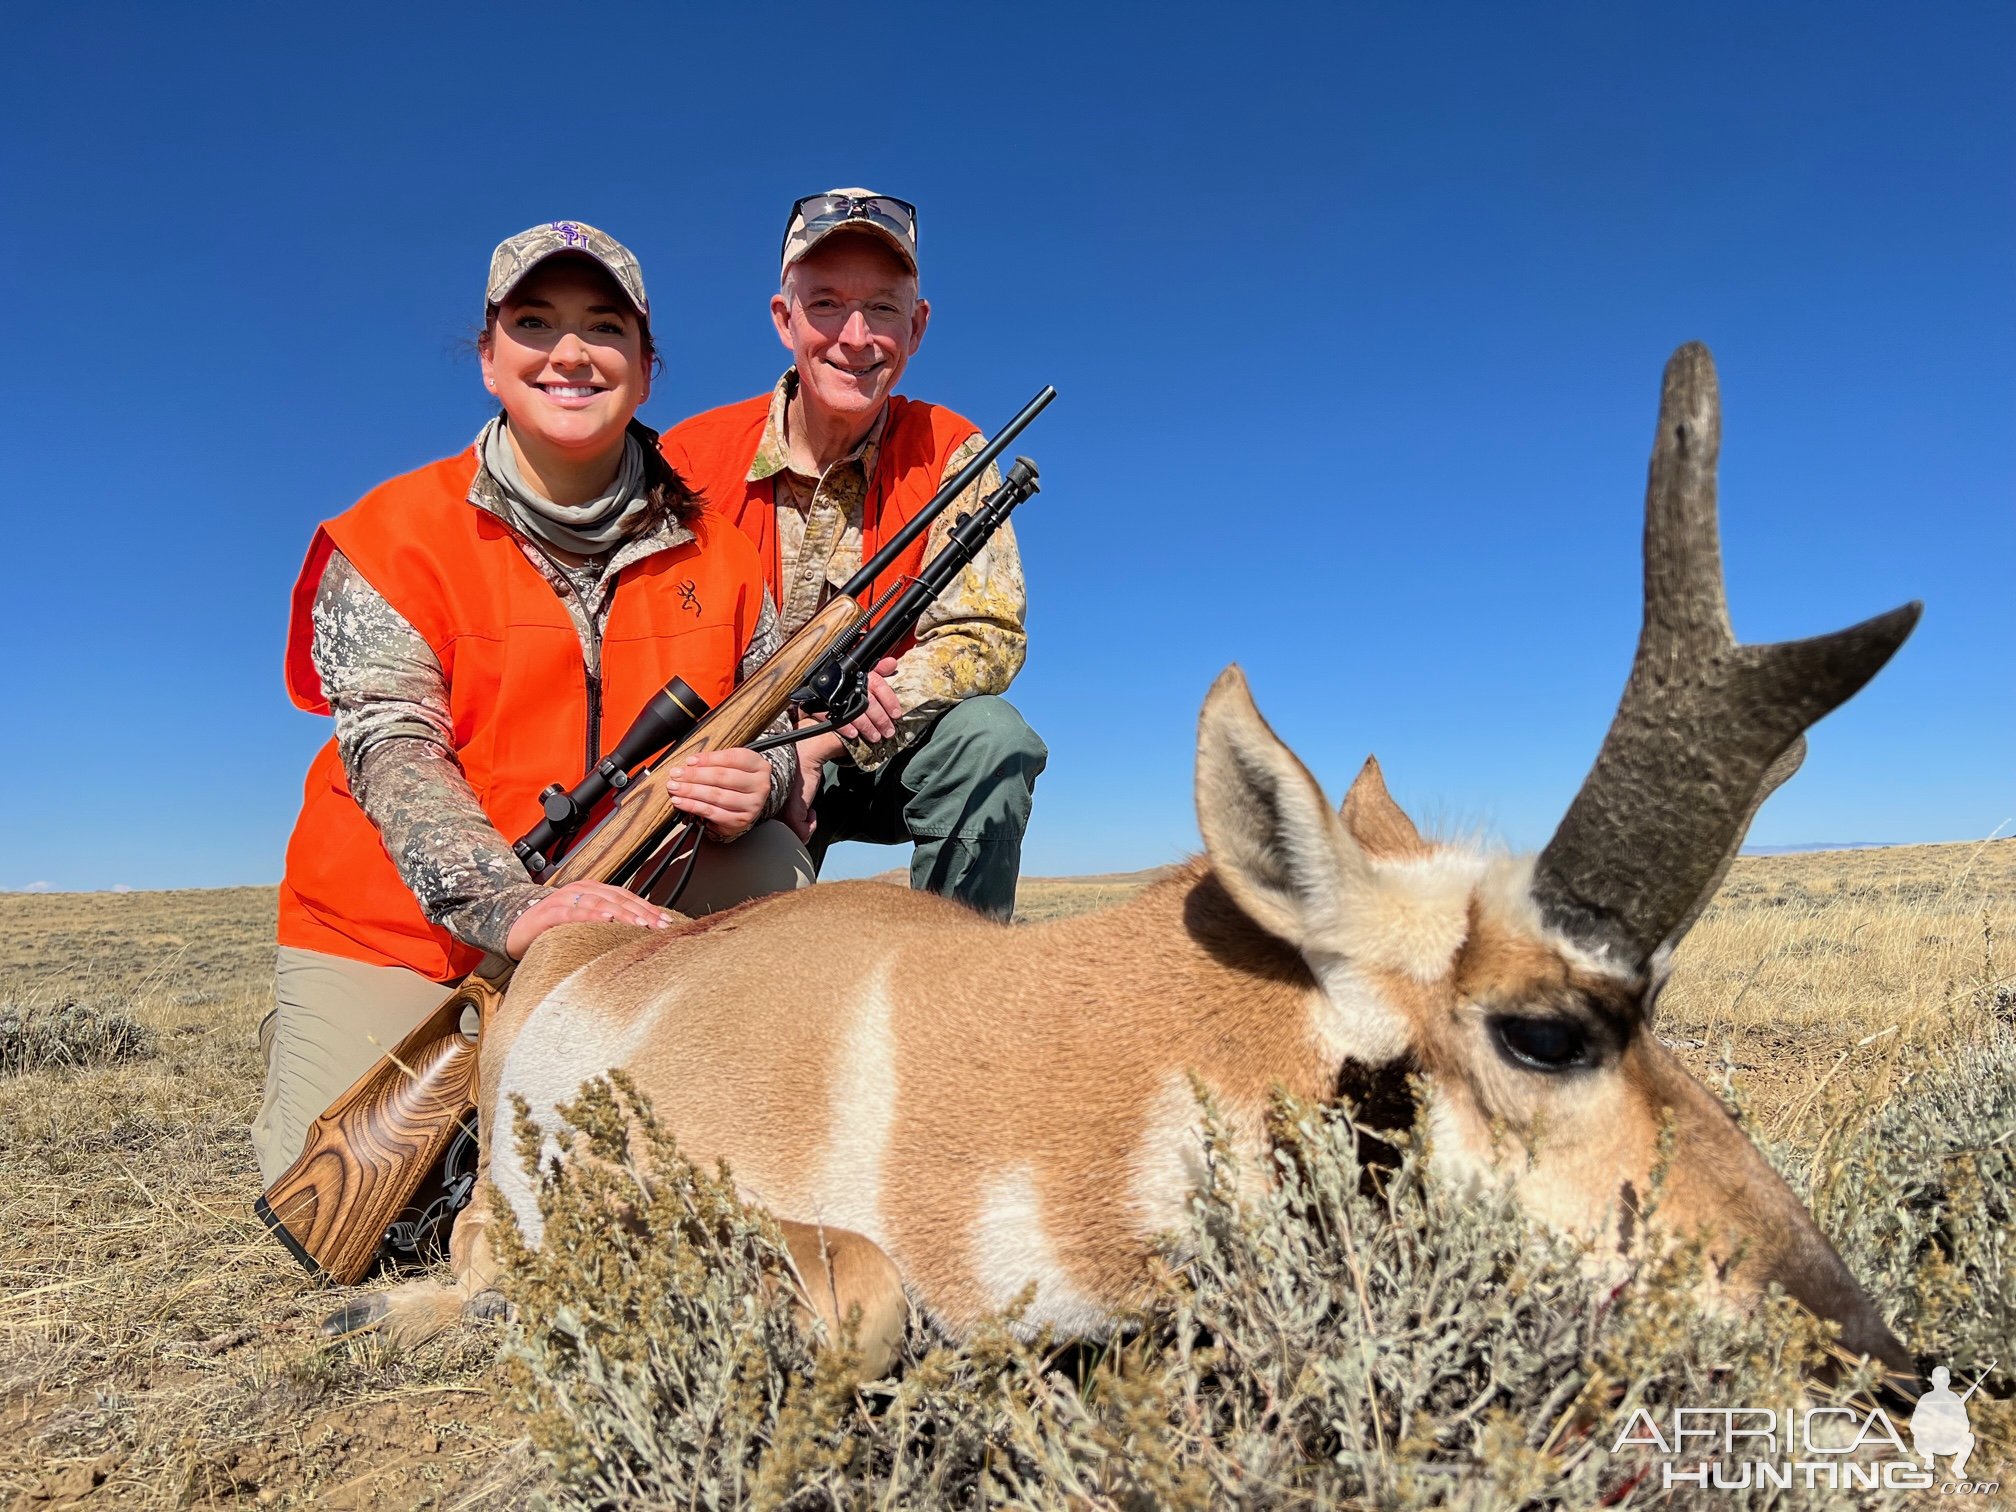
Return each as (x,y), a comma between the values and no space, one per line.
(157,1349)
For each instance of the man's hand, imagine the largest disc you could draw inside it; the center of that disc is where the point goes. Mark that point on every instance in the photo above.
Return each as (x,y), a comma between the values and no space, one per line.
(583,903)
(725,788)
(876,722)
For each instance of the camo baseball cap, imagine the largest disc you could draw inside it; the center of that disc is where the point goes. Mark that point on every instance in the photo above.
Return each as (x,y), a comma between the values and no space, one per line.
(519,255)
(818,216)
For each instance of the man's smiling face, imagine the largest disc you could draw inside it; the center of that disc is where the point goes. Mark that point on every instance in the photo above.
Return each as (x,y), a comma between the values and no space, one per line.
(850,314)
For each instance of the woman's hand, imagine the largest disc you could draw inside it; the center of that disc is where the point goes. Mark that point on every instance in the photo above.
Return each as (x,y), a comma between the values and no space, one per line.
(582,903)
(727,789)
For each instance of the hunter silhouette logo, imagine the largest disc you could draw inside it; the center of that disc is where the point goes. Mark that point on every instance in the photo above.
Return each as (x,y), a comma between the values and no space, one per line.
(689,595)
(1939,1423)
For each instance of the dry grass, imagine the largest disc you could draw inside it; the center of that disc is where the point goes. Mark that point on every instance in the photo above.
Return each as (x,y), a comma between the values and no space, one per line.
(1810,978)
(158,1350)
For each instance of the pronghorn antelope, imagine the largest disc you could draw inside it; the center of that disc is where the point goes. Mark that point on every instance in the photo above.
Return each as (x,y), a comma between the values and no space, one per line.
(989,1108)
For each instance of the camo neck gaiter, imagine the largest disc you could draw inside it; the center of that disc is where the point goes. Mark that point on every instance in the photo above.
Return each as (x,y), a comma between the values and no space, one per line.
(585,529)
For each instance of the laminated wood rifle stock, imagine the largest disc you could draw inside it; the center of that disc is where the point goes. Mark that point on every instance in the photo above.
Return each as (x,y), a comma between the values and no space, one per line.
(370,1150)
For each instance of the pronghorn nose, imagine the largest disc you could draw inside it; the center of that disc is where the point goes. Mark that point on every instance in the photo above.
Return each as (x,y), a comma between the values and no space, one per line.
(1721,1183)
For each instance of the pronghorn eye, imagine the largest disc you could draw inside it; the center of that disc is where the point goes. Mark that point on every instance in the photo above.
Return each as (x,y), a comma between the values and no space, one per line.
(1544,1044)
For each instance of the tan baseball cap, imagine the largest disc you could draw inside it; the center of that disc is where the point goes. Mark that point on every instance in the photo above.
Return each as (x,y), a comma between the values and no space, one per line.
(519,255)
(818,216)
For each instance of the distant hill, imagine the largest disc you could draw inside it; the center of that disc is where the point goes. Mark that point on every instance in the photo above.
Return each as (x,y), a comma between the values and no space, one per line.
(1820,845)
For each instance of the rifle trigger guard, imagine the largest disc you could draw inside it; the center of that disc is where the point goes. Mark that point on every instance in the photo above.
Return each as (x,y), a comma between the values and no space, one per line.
(421,1232)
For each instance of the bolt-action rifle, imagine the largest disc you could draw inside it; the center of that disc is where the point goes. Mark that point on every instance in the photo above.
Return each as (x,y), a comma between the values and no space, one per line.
(347,1198)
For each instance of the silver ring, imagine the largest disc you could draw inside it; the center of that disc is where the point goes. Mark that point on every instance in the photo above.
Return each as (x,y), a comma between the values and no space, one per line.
(575,900)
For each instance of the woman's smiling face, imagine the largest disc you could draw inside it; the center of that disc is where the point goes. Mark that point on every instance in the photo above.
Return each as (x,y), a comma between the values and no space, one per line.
(565,354)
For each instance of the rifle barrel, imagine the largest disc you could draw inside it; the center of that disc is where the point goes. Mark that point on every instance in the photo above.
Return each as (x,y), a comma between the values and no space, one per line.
(876,565)
(974,531)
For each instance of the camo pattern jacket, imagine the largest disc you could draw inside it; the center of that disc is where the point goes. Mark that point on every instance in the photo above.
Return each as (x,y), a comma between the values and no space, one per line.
(970,641)
(394,735)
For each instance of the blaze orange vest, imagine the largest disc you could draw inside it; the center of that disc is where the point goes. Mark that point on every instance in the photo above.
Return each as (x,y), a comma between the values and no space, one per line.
(712,452)
(522,711)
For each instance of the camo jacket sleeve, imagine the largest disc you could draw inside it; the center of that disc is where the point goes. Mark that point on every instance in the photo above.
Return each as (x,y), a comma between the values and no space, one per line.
(763,644)
(971,640)
(394,736)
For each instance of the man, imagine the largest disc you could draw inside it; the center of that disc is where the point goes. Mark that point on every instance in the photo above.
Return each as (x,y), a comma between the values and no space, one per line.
(819,472)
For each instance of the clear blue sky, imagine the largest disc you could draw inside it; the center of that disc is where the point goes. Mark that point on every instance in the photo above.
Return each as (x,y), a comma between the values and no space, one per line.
(1357,315)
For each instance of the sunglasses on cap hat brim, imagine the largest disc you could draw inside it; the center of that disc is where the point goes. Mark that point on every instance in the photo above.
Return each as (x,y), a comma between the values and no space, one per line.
(819,215)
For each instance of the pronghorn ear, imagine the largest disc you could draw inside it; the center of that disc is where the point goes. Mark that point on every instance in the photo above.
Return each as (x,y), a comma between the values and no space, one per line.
(1376,821)
(1274,843)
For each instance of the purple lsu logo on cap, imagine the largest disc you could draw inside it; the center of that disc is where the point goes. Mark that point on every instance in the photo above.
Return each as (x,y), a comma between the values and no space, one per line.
(570,233)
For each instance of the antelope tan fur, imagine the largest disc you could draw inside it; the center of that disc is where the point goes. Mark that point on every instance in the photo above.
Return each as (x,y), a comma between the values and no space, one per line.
(996,1108)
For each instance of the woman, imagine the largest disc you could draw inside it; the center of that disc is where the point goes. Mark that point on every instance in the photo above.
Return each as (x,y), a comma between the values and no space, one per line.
(480,628)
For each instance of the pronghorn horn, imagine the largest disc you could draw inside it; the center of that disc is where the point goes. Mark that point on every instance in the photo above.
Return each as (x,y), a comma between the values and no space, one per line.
(1704,719)
(1775,776)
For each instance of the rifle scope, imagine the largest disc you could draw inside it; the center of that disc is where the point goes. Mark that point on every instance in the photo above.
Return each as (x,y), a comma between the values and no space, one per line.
(665,721)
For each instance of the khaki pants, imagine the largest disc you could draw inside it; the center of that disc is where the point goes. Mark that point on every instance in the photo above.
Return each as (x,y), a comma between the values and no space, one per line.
(333,1018)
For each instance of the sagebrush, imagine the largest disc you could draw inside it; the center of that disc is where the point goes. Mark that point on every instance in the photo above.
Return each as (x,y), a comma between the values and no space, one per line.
(1319,1338)
(67,1034)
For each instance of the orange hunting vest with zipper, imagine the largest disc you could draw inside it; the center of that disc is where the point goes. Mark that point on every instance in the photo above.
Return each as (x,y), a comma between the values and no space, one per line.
(523,709)
(712,452)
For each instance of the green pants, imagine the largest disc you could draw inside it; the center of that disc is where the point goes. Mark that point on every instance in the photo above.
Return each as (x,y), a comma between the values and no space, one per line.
(962,793)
